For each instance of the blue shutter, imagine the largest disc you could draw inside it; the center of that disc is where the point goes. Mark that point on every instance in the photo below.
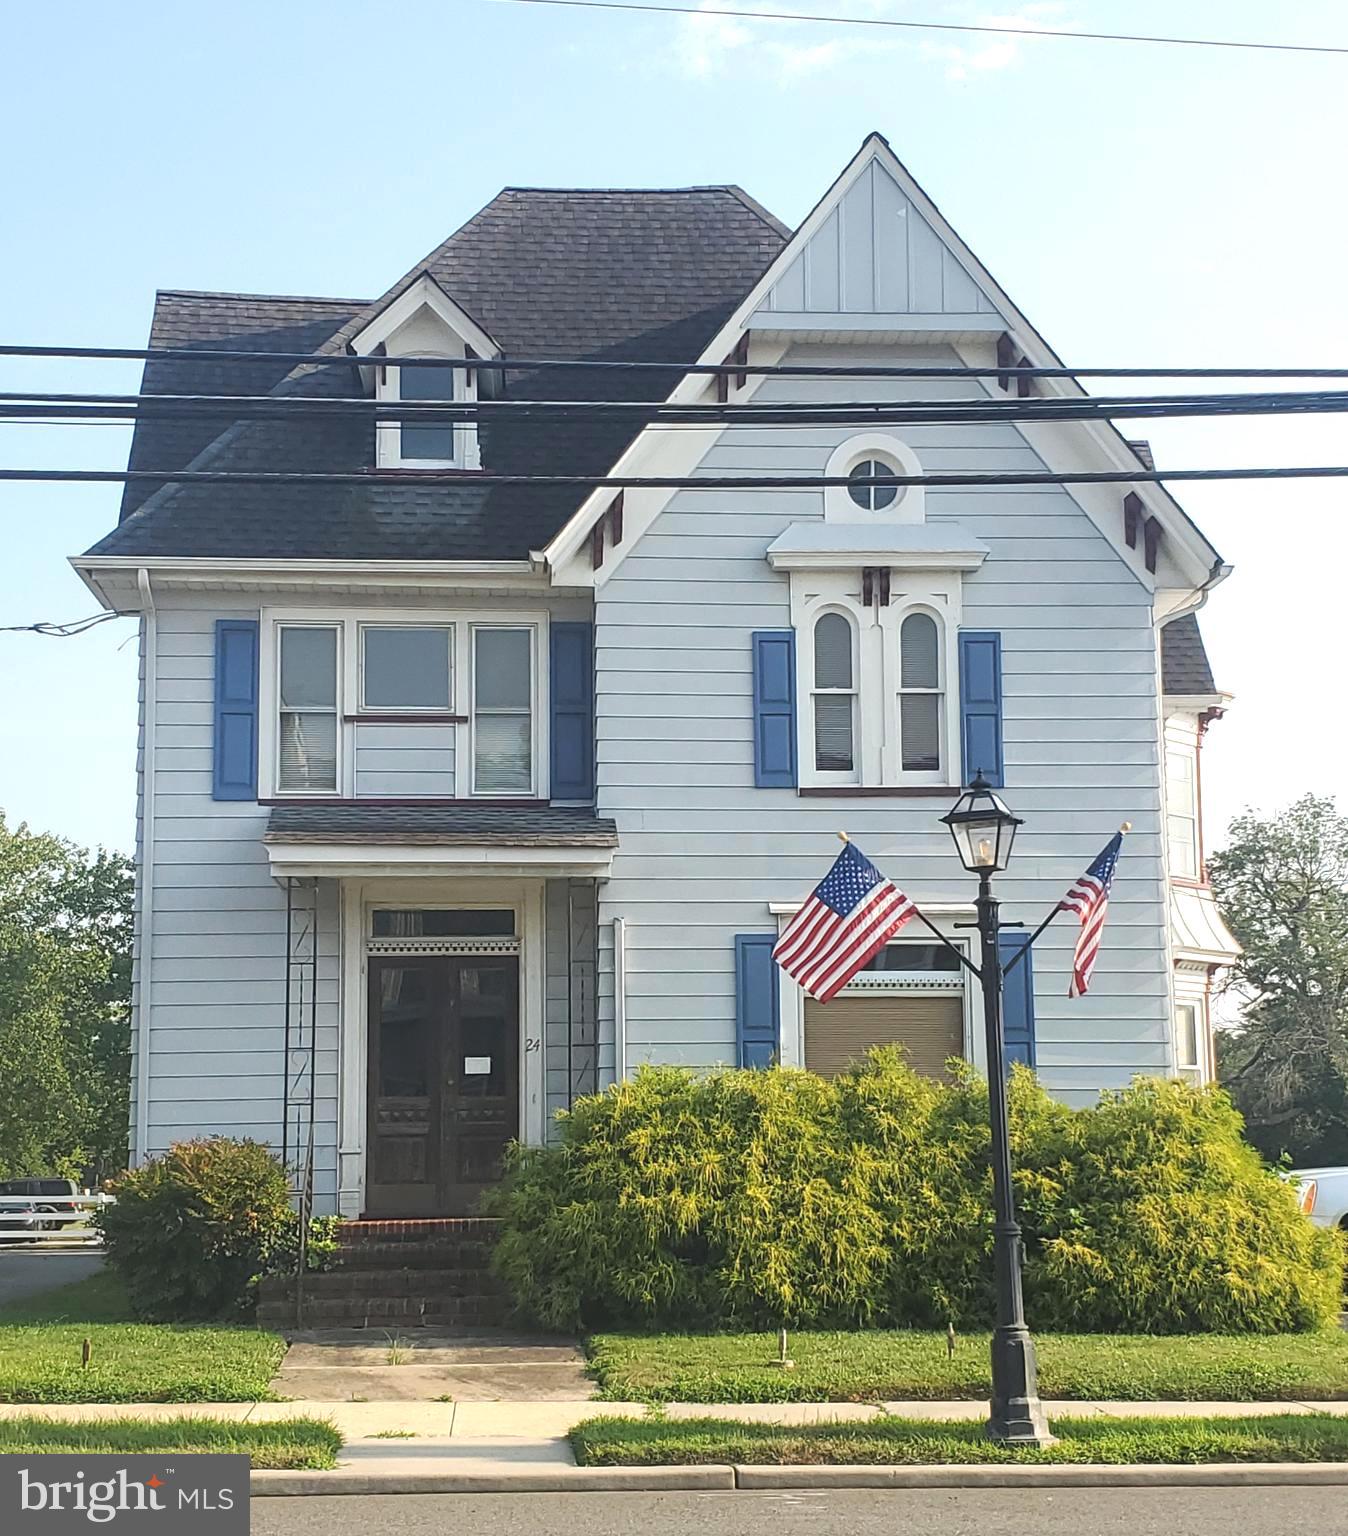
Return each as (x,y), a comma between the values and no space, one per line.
(1017,1000)
(571,685)
(234,774)
(757,1031)
(775,708)
(981,705)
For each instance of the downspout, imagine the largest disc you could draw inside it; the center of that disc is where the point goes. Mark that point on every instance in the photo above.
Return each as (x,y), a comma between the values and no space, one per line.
(149,726)
(619,999)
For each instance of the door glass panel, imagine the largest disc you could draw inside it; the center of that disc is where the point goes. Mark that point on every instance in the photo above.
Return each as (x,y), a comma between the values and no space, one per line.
(484,995)
(446,923)
(406,1031)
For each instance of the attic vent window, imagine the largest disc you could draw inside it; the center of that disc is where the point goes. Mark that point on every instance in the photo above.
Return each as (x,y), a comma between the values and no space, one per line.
(873,498)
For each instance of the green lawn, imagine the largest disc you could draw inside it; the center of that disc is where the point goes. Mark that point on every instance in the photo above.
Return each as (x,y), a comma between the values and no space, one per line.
(292,1443)
(885,1365)
(42,1338)
(618,1442)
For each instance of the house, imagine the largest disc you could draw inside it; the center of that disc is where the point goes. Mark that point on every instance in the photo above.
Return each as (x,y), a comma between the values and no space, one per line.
(458,797)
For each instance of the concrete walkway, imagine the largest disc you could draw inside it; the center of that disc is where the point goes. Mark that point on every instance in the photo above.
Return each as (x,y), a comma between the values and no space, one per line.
(379,1365)
(521,1447)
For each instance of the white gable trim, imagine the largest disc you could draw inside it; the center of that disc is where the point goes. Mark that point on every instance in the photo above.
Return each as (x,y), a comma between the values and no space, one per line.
(424,293)
(676,454)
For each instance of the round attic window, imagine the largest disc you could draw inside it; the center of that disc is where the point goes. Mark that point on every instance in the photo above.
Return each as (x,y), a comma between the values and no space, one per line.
(873,498)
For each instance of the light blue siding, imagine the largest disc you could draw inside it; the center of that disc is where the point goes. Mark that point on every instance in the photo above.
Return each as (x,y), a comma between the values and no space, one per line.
(703,852)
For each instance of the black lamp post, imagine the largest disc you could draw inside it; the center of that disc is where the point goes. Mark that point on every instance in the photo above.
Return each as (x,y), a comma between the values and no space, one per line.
(984,831)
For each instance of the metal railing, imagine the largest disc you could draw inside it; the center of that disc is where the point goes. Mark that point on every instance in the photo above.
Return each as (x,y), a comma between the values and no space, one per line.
(51,1221)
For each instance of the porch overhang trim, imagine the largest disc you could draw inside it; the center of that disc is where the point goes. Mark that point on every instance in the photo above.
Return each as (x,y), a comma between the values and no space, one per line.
(371,860)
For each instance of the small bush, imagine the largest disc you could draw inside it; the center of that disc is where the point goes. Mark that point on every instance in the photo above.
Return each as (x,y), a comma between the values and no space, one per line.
(192,1228)
(754,1199)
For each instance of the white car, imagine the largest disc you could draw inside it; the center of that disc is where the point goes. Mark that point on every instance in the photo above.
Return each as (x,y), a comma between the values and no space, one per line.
(1324,1195)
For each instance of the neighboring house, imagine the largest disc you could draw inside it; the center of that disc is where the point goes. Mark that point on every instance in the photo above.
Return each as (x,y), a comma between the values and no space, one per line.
(459,799)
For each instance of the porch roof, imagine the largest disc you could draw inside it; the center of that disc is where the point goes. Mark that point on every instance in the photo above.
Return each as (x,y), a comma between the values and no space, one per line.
(342,839)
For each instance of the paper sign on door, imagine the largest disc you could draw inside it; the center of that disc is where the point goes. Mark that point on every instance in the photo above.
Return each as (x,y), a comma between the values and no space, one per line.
(477,1066)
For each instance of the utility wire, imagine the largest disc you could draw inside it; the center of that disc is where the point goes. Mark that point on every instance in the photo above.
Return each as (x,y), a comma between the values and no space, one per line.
(944,26)
(475,478)
(731,369)
(59,631)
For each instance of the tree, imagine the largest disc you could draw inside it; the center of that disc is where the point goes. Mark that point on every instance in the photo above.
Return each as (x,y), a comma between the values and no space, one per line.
(65,995)
(1282,885)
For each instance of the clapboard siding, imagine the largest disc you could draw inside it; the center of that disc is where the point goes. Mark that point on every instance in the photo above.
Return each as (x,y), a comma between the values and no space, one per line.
(401,760)
(702,852)
(217,993)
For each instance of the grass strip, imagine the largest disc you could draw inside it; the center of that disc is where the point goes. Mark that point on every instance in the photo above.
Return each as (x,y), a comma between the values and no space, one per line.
(896,1364)
(42,1345)
(883,1441)
(289,1444)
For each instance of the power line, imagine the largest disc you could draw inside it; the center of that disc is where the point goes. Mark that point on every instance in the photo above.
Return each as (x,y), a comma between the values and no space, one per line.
(59,631)
(603,365)
(476,478)
(1061,33)
(17,408)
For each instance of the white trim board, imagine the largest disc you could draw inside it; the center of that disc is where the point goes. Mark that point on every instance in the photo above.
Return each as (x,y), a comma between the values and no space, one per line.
(1196,562)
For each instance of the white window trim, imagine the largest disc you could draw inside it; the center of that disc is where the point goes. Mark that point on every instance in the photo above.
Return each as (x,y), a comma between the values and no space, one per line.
(388,431)
(269,698)
(850,775)
(470,696)
(459,719)
(877,749)
(945,915)
(839,507)
(430,711)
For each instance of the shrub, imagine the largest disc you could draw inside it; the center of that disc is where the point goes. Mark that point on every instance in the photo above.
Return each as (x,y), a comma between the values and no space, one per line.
(757,1199)
(192,1228)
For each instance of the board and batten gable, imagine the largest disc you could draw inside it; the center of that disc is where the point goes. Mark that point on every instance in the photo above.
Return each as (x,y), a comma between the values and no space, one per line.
(703,852)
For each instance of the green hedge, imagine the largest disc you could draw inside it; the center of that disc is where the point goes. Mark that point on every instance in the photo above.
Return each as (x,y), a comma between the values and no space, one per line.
(754,1199)
(192,1229)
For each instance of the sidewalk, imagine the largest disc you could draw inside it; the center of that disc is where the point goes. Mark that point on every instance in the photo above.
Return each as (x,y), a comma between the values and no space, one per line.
(521,1447)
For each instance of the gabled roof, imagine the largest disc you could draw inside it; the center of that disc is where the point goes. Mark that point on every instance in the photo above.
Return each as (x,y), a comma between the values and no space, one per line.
(601,275)
(1191,559)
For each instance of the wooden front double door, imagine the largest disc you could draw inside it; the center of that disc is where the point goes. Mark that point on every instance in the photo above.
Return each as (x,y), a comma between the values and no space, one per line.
(444,1080)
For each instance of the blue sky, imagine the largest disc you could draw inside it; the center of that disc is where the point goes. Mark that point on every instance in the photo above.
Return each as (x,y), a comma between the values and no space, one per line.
(1143,205)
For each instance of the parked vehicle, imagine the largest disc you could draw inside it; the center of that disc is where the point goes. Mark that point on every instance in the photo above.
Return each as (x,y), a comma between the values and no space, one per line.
(32,1206)
(1324,1195)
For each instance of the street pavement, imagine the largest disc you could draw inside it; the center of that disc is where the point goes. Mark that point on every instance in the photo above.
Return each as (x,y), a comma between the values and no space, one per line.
(30,1271)
(923,1512)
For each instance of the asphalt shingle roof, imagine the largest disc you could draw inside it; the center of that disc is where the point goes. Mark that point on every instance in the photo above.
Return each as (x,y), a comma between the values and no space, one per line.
(1184,658)
(607,275)
(456,825)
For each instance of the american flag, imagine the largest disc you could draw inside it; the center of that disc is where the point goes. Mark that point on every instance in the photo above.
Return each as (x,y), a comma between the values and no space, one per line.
(850,915)
(1089,899)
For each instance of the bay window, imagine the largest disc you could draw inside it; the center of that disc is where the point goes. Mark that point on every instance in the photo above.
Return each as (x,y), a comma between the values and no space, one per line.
(1181,792)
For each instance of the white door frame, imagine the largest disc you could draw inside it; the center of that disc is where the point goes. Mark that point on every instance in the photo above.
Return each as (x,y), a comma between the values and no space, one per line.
(526,899)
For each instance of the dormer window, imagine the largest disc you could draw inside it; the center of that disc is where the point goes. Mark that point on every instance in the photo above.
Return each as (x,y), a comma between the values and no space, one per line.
(425,322)
(427,441)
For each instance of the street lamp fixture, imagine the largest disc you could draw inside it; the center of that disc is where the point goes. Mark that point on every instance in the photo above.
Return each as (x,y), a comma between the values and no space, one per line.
(984,830)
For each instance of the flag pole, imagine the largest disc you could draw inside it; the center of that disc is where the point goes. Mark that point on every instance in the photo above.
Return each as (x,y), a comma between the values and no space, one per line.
(1015,959)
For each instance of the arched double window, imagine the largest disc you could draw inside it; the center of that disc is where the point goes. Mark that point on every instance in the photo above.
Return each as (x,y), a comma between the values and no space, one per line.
(835,694)
(921,702)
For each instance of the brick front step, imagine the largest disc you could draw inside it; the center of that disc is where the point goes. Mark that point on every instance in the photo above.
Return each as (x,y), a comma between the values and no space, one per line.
(482,1229)
(467,1255)
(386,1311)
(382,1282)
